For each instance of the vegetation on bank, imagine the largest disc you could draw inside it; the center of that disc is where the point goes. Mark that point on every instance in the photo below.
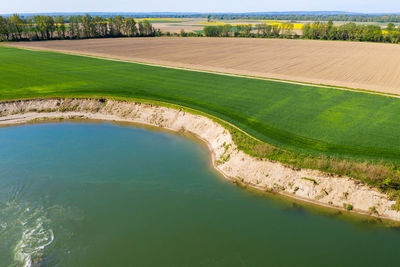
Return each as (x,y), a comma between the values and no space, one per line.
(342,132)
(382,175)
(39,27)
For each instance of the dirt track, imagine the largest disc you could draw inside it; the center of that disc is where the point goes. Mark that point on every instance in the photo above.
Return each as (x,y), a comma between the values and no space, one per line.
(351,64)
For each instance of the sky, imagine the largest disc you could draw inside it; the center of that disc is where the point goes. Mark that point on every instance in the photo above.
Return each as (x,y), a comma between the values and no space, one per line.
(48,6)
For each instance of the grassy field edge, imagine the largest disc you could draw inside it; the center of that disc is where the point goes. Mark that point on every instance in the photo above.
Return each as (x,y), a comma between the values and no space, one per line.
(342,88)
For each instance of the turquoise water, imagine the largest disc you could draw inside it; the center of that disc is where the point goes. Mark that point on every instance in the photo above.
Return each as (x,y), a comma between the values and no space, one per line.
(83,194)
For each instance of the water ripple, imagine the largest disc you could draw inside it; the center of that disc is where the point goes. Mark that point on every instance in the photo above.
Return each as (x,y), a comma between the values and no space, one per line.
(24,225)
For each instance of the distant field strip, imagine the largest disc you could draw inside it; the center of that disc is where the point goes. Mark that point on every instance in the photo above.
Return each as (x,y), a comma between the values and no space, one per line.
(217,73)
(367,66)
(296,117)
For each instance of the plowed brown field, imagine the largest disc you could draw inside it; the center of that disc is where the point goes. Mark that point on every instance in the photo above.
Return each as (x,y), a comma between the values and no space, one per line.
(351,64)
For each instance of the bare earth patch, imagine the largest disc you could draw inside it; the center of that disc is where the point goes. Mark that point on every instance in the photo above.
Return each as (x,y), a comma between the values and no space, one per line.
(369,66)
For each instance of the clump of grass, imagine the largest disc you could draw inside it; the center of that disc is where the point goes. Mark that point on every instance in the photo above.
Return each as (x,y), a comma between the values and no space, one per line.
(47,110)
(225,156)
(373,210)
(226,147)
(311,180)
(240,179)
(347,206)
(182,130)
(240,182)
(67,107)
(269,190)
(396,206)
(395,196)
(278,187)
(323,194)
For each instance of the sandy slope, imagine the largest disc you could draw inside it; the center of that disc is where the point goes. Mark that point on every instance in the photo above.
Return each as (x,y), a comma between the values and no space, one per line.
(370,66)
(327,190)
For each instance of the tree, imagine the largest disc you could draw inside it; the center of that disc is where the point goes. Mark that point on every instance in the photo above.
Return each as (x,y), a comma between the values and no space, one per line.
(40,26)
(100,26)
(117,22)
(287,29)
(247,29)
(307,34)
(18,26)
(276,30)
(263,29)
(226,30)
(331,30)
(146,29)
(130,27)
(75,31)
(390,27)
(258,29)
(183,33)
(395,37)
(4,29)
(239,30)
(373,33)
(266,29)
(211,31)
(60,26)
(88,28)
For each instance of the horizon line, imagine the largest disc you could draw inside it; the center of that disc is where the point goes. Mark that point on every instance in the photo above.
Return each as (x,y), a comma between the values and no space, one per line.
(320,12)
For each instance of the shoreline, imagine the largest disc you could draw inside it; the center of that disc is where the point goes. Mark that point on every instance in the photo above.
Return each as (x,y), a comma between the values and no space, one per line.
(309,186)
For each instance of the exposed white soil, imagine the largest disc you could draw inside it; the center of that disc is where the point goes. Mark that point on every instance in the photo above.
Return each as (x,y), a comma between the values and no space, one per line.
(319,188)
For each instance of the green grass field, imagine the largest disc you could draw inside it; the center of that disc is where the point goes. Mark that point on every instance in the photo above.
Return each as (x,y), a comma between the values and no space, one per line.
(297,118)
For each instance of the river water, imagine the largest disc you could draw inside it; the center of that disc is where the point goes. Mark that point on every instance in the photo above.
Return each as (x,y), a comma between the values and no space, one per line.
(99,194)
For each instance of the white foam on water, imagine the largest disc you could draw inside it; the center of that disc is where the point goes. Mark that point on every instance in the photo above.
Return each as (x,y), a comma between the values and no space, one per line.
(27,229)
(36,236)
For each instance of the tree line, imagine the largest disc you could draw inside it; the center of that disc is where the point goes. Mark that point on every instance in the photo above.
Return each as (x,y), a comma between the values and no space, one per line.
(296,16)
(263,30)
(317,30)
(16,28)
(351,32)
(310,17)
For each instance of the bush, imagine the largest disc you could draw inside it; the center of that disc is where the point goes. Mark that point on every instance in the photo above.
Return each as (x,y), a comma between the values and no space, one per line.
(348,207)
